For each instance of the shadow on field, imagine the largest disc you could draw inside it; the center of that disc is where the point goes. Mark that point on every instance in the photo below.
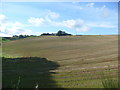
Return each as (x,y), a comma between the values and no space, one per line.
(29,71)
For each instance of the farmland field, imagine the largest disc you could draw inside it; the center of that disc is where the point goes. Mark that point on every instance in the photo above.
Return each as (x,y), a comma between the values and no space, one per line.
(63,62)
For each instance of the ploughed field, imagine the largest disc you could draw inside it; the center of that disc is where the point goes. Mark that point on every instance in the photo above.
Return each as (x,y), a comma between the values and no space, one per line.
(63,62)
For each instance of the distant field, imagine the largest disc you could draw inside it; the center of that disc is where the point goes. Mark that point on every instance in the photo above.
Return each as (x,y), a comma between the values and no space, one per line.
(65,62)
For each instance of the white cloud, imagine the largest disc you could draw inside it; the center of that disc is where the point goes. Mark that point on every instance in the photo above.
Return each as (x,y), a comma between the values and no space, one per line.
(106,26)
(101,25)
(90,4)
(5,35)
(8,28)
(52,15)
(36,21)
(104,6)
(104,11)
(74,2)
(47,19)
(3,19)
(78,25)
(24,32)
(80,8)
(74,24)
(84,28)
(97,12)
(15,30)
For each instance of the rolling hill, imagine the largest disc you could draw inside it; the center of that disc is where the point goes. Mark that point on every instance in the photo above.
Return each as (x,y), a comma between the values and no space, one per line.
(63,61)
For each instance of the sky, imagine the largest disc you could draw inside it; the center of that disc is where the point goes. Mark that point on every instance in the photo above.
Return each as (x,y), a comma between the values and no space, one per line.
(81,18)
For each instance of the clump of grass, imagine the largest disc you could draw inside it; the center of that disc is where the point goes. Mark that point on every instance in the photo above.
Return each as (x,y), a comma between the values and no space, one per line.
(16,86)
(110,83)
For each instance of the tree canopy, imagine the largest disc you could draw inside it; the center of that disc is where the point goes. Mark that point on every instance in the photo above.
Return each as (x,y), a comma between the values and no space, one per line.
(62,33)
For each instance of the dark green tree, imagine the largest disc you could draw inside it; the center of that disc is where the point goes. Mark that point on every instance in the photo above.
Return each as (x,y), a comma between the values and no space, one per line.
(59,33)
(62,33)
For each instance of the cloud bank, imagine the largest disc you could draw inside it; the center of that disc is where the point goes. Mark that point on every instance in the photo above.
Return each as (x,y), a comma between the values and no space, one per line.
(9,28)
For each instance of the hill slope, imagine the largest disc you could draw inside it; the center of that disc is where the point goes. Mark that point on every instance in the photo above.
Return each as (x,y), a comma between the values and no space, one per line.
(81,59)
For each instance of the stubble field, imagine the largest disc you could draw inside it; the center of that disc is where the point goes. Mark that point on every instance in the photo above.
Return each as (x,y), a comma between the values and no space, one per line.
(63,62)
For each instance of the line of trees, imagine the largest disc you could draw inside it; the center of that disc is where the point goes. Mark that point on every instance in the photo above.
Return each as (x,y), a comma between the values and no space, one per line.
(15,37)
(59,33)
(48,34)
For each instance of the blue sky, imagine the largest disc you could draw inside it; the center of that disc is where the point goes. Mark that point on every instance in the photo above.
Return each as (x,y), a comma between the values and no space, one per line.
(86,18)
